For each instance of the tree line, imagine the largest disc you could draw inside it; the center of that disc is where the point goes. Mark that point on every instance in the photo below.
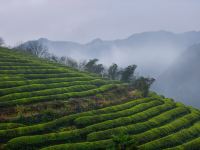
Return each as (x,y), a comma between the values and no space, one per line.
(113,72)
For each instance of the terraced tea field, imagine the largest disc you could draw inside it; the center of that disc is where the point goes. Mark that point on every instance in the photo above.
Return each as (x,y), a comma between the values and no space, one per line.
(25,80)
(153,123)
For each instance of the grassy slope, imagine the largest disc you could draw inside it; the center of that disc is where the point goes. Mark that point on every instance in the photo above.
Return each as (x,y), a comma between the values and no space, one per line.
(153,122)
(25,80)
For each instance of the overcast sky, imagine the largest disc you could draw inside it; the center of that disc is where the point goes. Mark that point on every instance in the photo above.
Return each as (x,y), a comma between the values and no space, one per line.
(84,20)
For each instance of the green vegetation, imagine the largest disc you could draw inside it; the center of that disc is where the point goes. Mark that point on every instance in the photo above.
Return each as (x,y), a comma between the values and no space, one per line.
(4,126)
(163,118)
(34,80)
(147,122)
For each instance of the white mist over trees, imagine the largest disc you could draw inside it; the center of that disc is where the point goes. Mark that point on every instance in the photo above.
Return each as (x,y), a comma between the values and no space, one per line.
(152,52)
(125,75)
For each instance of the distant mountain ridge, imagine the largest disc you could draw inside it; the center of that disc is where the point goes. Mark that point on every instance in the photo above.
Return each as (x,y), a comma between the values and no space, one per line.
(153,52)
(144,36)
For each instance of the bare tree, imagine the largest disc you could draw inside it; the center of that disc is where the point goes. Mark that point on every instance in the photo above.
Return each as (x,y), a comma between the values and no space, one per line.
(35,48)
(1,41)
(81,65)
(71,62)
(54,58)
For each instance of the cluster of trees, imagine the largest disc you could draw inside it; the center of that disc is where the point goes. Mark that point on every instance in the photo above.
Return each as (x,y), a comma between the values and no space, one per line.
(113,72)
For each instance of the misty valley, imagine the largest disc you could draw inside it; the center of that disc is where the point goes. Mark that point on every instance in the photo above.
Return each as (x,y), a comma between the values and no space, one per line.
(157,54)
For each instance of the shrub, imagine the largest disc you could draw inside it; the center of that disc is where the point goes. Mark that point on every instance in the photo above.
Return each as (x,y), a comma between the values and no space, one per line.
(9,84)
(168,128)
(128,124)
(58,137)
(46,92)
(36,87)
(138,107)
(4,126)
(174,139)
(106,144)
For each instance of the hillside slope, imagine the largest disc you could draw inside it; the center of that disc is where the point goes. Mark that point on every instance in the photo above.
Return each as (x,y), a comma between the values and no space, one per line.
(181,80)
(30,86)
(26,79)
(153,122)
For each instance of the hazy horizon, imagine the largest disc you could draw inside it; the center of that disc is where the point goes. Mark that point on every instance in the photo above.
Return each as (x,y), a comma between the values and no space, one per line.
(117,38)
(83,21)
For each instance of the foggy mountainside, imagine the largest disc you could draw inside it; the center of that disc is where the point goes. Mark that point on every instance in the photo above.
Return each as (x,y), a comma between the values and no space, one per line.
(181,80)
(153,52)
